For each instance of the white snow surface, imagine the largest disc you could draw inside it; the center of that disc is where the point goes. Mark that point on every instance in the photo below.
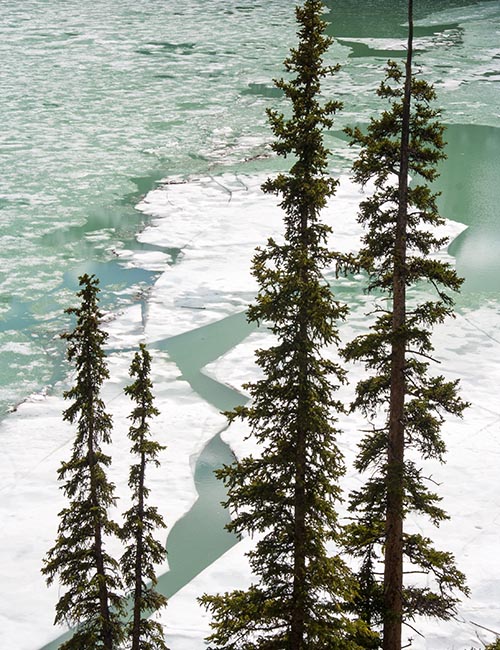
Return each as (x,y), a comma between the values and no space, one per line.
(217,223)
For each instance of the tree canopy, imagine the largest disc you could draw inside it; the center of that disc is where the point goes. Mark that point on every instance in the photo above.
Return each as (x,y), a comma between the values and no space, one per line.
(143,550)
(88,574)
(287,497)
(405,402)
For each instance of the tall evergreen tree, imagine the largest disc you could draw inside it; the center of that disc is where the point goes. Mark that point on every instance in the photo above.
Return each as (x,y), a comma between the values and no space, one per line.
(288,496)
(91,600)
(141,520)
(406,140)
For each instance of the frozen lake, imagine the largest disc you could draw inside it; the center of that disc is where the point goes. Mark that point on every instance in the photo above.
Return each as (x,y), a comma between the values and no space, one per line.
(99,104)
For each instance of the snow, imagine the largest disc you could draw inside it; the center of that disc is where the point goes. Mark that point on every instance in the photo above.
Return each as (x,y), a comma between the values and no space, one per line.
(217,223)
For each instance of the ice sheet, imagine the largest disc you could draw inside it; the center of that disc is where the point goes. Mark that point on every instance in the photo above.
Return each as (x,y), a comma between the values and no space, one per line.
(217,222)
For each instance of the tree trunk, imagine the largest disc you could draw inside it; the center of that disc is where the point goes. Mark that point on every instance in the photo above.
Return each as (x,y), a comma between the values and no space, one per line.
(107,637)
(393,569)
(299,561)
(136,632)
(299,567)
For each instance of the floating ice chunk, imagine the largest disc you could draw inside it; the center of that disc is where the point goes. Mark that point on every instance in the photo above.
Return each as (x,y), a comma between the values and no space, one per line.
(149,260)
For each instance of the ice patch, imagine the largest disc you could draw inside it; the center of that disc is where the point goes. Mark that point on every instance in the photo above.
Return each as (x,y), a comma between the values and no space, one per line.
(17,348)
(35,442)
(148,260)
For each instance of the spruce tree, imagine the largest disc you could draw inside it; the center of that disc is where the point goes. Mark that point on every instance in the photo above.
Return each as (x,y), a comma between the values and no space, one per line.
(141,520)
(406,403)
(89,575)
(288,496)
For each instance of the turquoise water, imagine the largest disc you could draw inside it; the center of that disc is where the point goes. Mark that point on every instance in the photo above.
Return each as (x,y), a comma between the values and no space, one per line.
(98,102)
(101,100)
(471,193)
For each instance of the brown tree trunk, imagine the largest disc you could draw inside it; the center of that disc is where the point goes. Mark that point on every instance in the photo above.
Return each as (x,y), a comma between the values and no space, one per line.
(136,631)
(393,561)
(299,566)
(107,637)
(299,558)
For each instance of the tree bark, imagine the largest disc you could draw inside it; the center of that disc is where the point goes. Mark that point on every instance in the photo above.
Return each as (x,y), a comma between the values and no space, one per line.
(107,636)
(299,560)
(136,633)
(393,569)
(299,567)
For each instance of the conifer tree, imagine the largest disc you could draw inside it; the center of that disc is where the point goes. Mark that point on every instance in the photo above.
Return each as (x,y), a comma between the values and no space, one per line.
(288,496)
(91,600)
(407,139)
(141,520)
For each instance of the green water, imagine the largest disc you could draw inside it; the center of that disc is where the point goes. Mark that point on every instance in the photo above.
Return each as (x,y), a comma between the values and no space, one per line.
(99,101)
(471,194)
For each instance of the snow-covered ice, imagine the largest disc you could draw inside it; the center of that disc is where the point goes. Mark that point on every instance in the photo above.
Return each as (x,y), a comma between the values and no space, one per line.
(217,223)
